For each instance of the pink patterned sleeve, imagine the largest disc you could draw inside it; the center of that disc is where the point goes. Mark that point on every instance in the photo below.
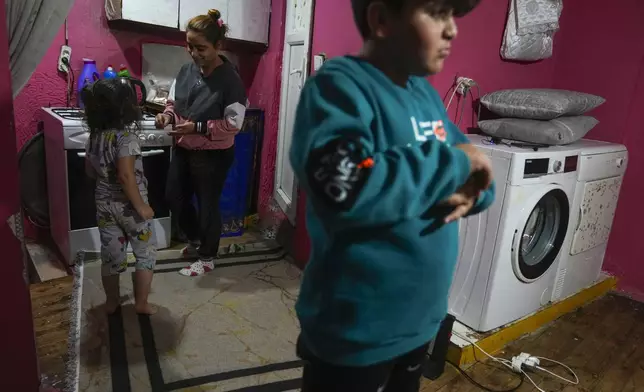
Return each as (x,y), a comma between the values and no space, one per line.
(230,125)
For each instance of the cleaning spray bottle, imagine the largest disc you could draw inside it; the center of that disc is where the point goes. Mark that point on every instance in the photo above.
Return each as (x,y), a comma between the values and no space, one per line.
(109,73)
(123,72)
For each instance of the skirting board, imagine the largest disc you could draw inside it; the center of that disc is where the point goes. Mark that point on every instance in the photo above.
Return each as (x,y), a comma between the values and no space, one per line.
(462,352)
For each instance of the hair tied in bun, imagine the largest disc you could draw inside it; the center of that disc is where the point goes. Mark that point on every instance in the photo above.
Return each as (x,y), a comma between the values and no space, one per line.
(214,14)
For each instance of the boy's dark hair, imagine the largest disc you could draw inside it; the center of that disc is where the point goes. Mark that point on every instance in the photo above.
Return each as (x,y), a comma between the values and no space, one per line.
(439,7)
(111,104)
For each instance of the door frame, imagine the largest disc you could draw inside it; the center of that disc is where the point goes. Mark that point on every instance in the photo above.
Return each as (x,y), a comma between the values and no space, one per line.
(306,38)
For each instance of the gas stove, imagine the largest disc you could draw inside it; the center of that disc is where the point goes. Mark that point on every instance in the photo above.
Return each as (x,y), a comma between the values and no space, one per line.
(74,133)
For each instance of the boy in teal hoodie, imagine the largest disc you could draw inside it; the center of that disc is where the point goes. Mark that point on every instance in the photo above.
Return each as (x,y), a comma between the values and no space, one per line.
(387,175)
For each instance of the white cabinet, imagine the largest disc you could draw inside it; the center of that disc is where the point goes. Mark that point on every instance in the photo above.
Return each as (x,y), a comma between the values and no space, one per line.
(190,8)
(154,12)
(249,20)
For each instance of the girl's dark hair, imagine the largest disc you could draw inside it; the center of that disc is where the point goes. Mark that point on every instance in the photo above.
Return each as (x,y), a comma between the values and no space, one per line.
(439,7)
(111,104)
(210,25)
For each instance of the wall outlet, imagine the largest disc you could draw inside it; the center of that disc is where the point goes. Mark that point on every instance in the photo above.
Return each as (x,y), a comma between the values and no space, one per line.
(463,85)
(65,53)
(318,60)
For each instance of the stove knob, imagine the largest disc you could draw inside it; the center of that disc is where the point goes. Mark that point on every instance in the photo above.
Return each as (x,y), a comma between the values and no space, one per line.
(161,139)
(557,166)
(620,162)
(142,138)
(152,137)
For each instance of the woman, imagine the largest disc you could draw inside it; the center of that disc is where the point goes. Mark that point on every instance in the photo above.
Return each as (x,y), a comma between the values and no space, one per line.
(206,108)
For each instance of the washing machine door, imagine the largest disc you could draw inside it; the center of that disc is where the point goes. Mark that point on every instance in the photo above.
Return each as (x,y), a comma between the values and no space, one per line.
(541,232)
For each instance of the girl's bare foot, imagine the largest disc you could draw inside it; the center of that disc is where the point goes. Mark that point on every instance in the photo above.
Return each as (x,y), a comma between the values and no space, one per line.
(146,309)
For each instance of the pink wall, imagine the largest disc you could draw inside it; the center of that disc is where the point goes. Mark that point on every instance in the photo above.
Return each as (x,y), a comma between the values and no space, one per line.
(475,54)
(265,93)
(19,371)
(602,52)
(89,36)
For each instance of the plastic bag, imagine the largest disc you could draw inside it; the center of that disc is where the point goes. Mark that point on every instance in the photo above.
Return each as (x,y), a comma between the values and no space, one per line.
(158,89)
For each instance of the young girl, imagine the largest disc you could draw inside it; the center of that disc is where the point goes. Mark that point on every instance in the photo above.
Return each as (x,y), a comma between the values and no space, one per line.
(206,108)
(122,211)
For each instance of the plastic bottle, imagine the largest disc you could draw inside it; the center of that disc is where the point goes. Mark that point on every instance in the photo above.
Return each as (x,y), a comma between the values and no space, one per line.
(123,72)
(109,73)
(88,75)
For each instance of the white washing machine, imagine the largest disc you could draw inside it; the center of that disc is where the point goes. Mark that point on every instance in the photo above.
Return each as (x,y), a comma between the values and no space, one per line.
(601,170)
(509,254)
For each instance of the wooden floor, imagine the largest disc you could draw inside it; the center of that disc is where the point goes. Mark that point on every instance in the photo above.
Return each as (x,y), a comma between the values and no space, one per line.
(50,302)
(600,342)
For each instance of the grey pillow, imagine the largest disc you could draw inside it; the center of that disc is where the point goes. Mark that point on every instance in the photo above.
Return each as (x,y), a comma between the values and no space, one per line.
(563,130)
(540,103)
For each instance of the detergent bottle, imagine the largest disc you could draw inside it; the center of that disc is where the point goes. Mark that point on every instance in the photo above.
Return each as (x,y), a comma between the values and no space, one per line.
(88,75)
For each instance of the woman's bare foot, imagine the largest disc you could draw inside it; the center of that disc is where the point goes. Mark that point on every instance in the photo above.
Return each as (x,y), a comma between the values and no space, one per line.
(111,306)
(146,309)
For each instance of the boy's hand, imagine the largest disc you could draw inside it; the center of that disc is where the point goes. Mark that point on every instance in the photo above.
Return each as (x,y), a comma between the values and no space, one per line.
(462,200)
(481,167)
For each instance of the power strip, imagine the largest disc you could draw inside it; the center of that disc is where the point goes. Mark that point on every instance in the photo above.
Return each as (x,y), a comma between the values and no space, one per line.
(65,58)
(524,361)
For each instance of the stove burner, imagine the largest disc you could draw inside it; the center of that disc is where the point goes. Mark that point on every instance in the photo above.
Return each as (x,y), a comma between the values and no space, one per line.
(69,113)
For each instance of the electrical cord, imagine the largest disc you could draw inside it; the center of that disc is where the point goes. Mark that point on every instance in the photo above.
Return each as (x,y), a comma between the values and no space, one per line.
(483,387)
(467,89)
(449,103)
(70,80)
(530,362)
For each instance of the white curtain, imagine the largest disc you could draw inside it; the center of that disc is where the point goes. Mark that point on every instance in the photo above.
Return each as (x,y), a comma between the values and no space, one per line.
(32,26)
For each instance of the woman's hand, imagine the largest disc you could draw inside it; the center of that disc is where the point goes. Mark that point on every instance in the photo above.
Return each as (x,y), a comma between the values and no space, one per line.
(162,120)
(187,128)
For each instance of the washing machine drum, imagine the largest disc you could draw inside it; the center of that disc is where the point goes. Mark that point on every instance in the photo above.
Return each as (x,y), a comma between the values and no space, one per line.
(542,236)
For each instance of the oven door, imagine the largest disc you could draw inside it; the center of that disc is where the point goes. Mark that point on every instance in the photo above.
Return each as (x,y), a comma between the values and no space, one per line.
(82,209)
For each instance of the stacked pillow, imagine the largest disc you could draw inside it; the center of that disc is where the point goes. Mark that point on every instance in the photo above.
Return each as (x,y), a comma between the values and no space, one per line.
(541,116)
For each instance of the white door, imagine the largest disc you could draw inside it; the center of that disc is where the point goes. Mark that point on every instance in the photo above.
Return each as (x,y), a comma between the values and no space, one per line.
(295,68)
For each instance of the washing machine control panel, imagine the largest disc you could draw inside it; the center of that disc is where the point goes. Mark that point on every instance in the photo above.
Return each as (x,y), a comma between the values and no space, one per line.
(543,166)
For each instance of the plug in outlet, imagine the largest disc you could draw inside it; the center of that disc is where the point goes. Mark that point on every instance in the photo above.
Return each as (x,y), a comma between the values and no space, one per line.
(463,85)
(66,54)
(318,60)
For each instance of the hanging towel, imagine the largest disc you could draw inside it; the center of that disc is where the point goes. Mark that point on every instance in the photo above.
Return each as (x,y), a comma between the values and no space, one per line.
(530,29)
